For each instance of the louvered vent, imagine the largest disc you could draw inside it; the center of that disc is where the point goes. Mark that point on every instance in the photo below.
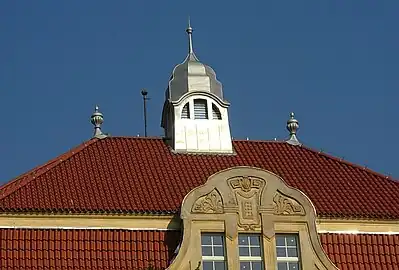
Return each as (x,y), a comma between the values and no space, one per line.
(216,113)
(185,113)
(200,109)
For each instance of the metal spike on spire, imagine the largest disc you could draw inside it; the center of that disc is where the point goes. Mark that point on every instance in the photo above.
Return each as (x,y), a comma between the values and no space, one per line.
(97,120)
(189,30)
(292,127)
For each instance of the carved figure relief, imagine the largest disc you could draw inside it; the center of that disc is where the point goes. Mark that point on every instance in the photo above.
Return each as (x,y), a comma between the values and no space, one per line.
(247,191)
(284,205)
(209,204)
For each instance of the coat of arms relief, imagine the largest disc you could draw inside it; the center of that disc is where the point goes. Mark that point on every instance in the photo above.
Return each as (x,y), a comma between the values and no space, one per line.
(247,192)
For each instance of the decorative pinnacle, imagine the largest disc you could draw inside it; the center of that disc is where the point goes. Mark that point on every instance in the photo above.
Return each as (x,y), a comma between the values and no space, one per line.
(189,31)
(97,120)
(292,127)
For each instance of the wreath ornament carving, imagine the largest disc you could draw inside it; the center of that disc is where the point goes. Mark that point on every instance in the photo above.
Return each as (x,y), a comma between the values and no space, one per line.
(284,205)
(211,203)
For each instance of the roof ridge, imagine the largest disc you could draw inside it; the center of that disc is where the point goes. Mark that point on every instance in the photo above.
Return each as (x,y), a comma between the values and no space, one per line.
(162,138)
(258,141)
(349,163)
(11,187)
(137,137)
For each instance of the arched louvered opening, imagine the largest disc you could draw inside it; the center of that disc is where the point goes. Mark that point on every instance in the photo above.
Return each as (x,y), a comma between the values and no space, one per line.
(185,113)
(216,113)
(200,109)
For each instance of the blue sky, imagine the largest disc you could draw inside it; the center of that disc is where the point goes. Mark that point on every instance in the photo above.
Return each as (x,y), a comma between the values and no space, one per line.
(334,63)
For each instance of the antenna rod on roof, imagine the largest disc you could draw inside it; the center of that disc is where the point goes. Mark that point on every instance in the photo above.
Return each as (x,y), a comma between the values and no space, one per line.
(144,93)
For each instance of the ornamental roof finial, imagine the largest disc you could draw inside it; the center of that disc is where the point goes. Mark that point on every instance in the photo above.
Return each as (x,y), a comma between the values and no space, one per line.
(189,31)
(97,120)
(191,54)
(292,127)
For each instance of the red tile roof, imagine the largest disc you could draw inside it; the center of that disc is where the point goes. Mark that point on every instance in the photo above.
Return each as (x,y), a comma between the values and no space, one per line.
(362,252)
(125,249)
(142,175)
(80,249)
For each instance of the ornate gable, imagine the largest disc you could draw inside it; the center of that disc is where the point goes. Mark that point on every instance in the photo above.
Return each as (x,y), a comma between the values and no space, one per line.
(248,200)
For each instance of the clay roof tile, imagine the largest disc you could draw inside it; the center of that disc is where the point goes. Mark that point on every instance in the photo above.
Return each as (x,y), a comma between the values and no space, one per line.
(142,175)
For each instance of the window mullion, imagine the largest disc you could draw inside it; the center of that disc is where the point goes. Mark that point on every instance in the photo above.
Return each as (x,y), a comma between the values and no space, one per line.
(191,108)
(250,251)
(287,251)
(213,251)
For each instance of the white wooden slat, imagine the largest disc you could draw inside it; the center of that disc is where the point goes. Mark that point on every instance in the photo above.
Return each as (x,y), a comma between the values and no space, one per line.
(200,109)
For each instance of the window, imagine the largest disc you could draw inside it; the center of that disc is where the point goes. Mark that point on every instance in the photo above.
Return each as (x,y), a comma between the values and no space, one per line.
(250,252)
(200,109)
(185,113)
(213,251)
(216,113)
(287,252)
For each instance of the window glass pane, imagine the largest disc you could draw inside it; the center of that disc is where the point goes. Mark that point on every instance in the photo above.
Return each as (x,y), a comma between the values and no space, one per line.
(254,240)
(217,240)
(212,245)
(292,252)
(244,251)
(218,251)
(293,266)
(219,265)
(280,240)
(206,251)
(243,240)
(257,266)
(250,251)
(245,266)
(282,266)
(281,252)
(206,239)
(291,241)
(207,265)
(255,251)
(288,253)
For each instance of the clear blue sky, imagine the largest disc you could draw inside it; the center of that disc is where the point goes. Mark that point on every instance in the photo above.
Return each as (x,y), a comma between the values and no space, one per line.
(335,63)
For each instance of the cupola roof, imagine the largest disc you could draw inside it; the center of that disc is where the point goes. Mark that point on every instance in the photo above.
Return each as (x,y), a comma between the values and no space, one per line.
(192,76)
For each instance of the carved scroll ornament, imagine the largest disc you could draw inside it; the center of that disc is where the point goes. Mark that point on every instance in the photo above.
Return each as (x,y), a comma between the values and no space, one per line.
(284,205)
(209,204)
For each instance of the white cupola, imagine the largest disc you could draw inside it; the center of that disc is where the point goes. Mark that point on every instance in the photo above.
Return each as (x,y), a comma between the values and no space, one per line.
(195,115)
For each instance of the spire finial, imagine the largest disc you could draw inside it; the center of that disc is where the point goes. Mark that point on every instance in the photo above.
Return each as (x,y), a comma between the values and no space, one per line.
(292,127)
(189,31)
(97,120)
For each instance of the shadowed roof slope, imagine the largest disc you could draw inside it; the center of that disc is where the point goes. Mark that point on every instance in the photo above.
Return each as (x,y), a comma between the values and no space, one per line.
(86,249)
(142,175)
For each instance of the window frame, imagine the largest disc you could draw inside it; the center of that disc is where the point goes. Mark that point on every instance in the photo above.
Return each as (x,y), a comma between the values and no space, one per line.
(216,111)
(213,259)
(251,259)
(288,259)
(188,113)
(204,102)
